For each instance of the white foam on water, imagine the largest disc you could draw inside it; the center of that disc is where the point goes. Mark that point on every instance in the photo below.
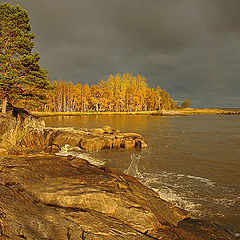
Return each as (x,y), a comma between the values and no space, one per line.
(133,166)
(150,180)
(167,194)
(203,180)
(180,175)
(225,201)
(64,150)
(200,196)
(170,196)
(236,235)
(87,156)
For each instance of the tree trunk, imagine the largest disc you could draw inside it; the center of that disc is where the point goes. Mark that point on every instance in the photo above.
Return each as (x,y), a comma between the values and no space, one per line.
(4,105)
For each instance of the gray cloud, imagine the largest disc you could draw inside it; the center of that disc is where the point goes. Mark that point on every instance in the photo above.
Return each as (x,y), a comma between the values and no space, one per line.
(189,47)
(221,16)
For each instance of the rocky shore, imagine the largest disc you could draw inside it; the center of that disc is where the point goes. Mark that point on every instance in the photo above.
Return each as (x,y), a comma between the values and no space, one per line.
(23,132)
(44,196)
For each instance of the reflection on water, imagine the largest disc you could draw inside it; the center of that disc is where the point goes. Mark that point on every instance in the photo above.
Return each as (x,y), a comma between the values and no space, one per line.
(192,161)
(121,122)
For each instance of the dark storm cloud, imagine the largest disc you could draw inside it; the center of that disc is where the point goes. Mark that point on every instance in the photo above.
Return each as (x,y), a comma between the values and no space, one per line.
(189,47)
(221,15)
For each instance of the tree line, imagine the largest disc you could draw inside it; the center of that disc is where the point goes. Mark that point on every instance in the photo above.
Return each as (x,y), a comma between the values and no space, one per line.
(119,93)
(25,84)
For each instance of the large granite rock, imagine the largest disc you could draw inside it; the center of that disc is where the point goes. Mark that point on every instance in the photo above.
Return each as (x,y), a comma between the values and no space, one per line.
(23,132)
(53,197)
(53,139)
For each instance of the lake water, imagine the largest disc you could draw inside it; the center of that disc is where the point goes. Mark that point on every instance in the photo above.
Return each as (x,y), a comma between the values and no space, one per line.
(192,161)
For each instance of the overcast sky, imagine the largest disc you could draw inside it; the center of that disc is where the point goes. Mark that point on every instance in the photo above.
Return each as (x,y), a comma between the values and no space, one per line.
(189,47)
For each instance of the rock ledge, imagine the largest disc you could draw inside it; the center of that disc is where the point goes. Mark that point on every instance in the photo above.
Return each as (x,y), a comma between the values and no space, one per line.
(21,131)
(54,197)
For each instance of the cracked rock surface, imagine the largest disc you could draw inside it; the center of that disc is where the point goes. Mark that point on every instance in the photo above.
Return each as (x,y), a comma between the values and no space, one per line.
(54,197)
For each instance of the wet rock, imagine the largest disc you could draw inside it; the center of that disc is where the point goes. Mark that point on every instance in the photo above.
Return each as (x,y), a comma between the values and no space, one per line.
(109,142)
(91,140)
(139,143)
(230,113)
(200,229)
(55,197)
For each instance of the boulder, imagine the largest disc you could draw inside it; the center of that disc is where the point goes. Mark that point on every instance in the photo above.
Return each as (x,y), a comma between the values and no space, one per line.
(75,149)
(33,141)
(91,143)
(143,144)
(131,135)
(97,131)
(108,142)
(55,197)
(108,130)
(61,137)
(129,144)
(116,143)
(140,143)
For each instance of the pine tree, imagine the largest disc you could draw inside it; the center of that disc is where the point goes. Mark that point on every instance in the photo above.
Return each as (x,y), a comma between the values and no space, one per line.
(21,76)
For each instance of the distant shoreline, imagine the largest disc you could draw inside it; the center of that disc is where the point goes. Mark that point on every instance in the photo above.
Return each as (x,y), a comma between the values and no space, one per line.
(187,111)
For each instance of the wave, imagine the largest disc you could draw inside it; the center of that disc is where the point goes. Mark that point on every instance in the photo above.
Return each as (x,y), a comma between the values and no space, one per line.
(200,196)
(166,192)
(154,181)
(87,156)
(203,180)
(133,166)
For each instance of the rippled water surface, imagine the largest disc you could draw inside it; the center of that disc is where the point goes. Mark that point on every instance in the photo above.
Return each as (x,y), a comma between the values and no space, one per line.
(192,161)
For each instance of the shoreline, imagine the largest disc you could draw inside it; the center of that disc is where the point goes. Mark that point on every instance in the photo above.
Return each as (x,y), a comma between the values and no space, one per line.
(70,191)
(177,112)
